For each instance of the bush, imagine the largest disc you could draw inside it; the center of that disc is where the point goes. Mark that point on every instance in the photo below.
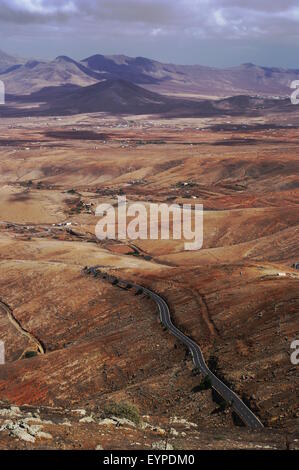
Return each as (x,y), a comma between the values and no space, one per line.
(30,354)
(122,410)
(206,384)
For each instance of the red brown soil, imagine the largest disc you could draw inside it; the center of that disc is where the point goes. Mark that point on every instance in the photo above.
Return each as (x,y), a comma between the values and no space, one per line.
(105,344)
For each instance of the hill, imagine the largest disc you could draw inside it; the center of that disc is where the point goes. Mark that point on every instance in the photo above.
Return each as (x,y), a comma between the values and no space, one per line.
(35,75)
(113,96)
(8,62)
(121,97)
(169,78)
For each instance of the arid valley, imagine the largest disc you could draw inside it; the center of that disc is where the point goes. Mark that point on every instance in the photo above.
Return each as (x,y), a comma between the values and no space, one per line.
(79,349)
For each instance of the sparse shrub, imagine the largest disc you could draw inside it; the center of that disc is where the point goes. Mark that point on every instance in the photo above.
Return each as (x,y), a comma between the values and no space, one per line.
(206,384)
(30,354)
(224,405)
(213,364)
(122,410)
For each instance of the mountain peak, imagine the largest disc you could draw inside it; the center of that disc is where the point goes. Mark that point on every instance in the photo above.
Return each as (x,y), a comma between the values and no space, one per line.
(249,65)
(7,61)
(64,58)
(4,55)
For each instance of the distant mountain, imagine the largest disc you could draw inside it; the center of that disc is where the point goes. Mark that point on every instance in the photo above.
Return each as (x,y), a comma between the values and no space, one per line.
(35,75)
(138,70)
(8,62)
(196,79)
(168,79)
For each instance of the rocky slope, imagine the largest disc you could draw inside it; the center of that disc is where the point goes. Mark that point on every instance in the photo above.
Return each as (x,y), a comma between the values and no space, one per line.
(44,428)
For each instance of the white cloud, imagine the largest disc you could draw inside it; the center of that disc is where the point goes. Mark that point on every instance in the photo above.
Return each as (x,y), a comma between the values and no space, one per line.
(219,18)
(41,6)
(156,32)
(35,11)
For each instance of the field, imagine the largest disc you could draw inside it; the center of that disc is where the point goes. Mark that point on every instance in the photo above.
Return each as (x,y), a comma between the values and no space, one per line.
(77,343)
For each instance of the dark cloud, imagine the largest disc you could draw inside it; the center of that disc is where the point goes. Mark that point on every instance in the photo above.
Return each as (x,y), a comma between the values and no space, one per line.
(153,24)
(257,5)
(36,11)
(204,14)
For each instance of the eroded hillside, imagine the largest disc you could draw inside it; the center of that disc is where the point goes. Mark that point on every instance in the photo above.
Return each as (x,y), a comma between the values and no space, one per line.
(99,344)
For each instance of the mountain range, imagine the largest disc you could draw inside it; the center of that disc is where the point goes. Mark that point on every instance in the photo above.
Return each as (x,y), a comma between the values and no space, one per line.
(26,77)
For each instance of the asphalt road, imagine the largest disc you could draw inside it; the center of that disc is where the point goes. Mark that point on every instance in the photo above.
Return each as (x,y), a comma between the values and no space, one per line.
(247,416)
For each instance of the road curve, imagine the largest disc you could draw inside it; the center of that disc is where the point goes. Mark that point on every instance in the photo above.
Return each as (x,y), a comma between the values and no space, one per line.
(247,416)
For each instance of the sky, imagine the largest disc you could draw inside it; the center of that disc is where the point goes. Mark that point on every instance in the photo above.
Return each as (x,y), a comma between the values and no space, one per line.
(209,32)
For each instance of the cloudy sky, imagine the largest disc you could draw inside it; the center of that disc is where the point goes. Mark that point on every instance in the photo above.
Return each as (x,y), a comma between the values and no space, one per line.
(212,32)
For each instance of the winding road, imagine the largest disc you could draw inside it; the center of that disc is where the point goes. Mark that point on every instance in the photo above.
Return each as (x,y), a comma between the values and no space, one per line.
(247,416)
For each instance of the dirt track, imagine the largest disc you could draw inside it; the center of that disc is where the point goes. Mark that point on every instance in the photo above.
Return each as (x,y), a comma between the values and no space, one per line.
(18,326)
